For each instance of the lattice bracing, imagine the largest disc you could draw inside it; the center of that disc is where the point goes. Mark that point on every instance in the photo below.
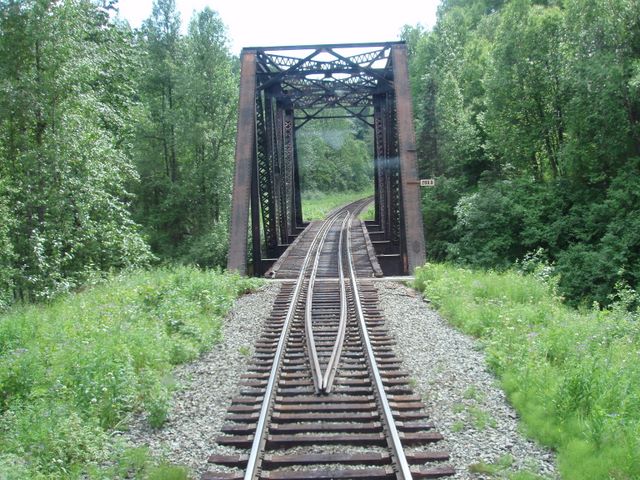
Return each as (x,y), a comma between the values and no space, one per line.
(284,88)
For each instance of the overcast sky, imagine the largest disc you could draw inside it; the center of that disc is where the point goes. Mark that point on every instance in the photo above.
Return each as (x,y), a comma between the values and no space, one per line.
(290,22)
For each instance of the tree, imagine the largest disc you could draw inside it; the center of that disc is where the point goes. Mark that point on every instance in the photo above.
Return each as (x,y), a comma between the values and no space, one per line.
(528,113)
(526,97)
(184,149)
(64,129)
(207,128)
(603,131)
(335,156)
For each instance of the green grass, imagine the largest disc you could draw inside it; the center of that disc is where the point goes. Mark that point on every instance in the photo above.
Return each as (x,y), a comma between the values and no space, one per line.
(74,370)
(369,213)
(316,205)
(500,466)
(573,376)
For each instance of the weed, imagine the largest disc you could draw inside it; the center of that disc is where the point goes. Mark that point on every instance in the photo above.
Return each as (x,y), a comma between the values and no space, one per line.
(134,460)
(505,461)
(472,393)
(457,426)
(72,370)
(570,374)
(480,418)
(497,468)
(244,350)
(169,472)
(485,468)
(525,475)
(158,410)
(369,213)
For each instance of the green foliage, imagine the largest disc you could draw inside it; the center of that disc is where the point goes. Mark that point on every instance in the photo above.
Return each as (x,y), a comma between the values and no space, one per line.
(335,156)
(59,401)
(369,213)
(208,249)
(65,125)
(438,204)
(6,251)
(316,205)
(168,472)
(527,115)
(525,96)
(569,374)
(184,144)
(500,466)
(488,224)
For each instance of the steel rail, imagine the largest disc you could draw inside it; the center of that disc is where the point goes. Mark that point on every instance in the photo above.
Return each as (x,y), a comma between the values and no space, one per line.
(316,370)
(259,440)
(332,365)
(393,438)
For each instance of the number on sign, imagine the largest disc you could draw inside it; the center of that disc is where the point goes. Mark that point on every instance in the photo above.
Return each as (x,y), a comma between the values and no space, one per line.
(428,182)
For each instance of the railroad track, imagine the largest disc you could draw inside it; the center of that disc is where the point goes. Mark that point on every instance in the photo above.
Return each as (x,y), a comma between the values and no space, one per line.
(290,263)
(325,396)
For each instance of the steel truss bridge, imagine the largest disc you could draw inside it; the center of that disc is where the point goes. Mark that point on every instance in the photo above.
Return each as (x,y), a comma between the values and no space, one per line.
(283,88)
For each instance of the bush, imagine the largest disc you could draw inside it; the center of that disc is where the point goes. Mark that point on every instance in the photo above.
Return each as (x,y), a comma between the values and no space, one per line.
(591,235)
(209,250)
(489,224)
(6,253)
(438,204)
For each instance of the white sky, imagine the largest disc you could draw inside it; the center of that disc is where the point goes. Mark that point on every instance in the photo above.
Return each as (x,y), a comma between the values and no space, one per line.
(256,23)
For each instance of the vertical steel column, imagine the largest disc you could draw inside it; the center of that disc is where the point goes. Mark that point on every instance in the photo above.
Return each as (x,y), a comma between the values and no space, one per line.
(411,202)
(265,175)
(245,153)
(296,180)
(379,160)
(394,194)
(283,171)
(274,161)
(288,151)
(256,243)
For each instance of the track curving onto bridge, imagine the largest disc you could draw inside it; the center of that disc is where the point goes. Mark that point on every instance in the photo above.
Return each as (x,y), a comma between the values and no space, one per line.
(325,396)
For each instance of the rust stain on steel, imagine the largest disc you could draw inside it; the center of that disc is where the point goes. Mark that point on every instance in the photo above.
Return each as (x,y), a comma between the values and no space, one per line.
(245,151)
(283,88)
(414,232)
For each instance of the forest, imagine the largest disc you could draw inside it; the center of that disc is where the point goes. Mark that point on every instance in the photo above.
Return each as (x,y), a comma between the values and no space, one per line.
(116,157)
(528,116)
(116,146)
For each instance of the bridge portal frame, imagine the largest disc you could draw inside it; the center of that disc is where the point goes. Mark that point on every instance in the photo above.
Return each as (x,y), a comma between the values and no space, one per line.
(283,88)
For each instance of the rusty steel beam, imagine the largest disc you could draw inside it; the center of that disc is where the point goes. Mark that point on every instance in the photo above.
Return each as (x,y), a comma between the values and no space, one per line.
(289,158)
(328,45)
(244,161)
(410,190)
(279,93)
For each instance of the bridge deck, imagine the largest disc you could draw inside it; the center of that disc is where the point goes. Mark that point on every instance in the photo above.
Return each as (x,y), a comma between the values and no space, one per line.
(366,263)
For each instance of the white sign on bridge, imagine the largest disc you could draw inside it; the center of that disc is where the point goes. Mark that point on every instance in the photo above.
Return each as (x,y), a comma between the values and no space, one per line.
(428,182)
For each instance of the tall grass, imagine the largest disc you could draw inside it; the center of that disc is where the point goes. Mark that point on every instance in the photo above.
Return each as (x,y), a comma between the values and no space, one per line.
(316,205)
(573,376)
(74,370)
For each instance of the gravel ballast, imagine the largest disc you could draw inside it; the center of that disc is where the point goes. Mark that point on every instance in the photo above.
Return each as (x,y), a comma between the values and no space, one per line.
(208,385)
(447,368)
(461,395)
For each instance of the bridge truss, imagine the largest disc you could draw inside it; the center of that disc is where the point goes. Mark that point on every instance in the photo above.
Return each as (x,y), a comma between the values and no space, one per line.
(283,88)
